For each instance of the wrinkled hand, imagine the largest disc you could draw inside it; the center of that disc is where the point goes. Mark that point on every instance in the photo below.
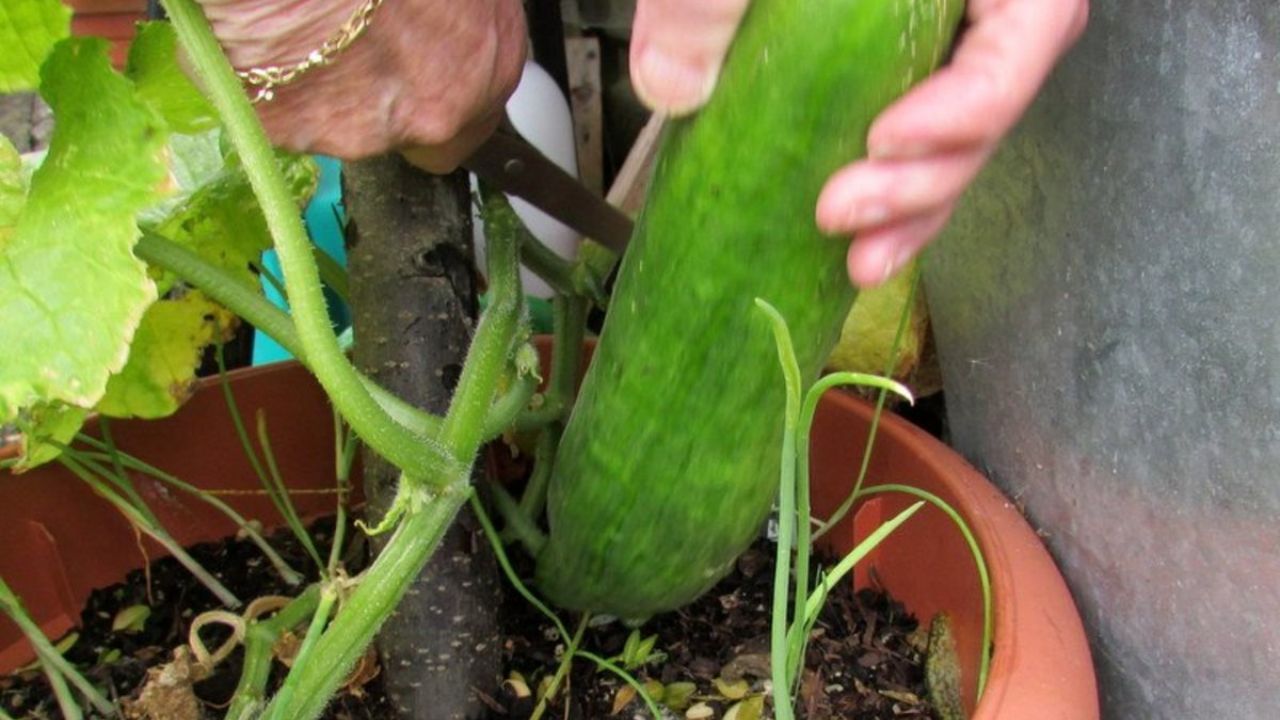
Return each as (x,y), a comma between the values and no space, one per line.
(923,150)
(429,77)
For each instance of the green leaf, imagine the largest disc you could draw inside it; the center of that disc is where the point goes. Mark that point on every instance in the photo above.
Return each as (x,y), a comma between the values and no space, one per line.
(750,709)
(28,31)
(132,619)
(222,221)
(45,429)
(71,290)
(166,351)
(13,190)
(192,160)
(678,694)
(153,67)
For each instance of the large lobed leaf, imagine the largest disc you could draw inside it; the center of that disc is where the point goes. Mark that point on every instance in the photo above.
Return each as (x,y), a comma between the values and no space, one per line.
(71,290)
(166,351)
(222,221)
(28,31)
(162,84)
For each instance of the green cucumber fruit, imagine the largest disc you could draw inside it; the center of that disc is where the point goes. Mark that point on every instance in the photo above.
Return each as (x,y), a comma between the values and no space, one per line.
(669,462)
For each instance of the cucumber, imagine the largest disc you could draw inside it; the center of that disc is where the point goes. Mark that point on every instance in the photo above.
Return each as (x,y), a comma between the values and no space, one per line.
(669,462)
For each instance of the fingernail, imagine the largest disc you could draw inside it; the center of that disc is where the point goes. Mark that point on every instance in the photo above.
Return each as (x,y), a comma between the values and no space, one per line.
(894,151)
(865,215)
(896,262)
(672,84)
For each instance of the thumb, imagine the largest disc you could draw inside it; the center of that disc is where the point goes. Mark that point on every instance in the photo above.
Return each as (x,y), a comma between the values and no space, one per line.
(677,47)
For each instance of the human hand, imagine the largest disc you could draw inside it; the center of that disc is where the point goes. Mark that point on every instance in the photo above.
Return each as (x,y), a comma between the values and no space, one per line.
(923,150)
(429,78)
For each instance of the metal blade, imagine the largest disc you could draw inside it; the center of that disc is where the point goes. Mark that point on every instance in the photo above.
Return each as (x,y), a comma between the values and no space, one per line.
(514,166)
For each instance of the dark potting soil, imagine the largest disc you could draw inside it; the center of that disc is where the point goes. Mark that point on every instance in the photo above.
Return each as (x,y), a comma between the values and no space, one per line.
(117,661)
(864,662)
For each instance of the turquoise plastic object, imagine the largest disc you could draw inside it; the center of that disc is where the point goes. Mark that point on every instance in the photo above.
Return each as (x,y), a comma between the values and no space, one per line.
(324,218)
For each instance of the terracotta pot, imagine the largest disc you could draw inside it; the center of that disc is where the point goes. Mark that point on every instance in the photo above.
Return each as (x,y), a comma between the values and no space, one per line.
(59,541)
(1041,665)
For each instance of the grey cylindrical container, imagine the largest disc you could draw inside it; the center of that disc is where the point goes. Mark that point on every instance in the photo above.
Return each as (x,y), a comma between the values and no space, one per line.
(1107,310)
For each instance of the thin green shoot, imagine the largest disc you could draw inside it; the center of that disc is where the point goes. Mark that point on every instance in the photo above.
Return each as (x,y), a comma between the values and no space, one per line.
(789,636)
(345,446)
(279,493)
(81,468)
(271,279)
(495,541)
(519,525)
(508,407)
(120,477)
(627,678)
(287,573)
(815,599)
(562,669)
(270,481)
(825,526)
(505,563)
(979,561)
(55,667)
(786,512)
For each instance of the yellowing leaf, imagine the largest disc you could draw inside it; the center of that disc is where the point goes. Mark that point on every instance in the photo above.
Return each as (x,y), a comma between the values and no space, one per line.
(750,709)
(622,698)
(872,323)
(700,711)
(28,31)
(71,291)
(164,356)
(677,695)
(732,690)
(655,690)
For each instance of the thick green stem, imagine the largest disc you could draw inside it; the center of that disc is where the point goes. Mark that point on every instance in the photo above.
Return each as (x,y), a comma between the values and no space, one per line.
(463,428)
(155,532)
(324,608)
(54,663)
(534,499)
(419,457)
(248,303)
(260,639)
(569,315)
(380,590)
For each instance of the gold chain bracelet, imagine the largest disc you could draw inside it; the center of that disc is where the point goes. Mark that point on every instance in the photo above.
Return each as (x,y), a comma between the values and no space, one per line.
(267,79)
